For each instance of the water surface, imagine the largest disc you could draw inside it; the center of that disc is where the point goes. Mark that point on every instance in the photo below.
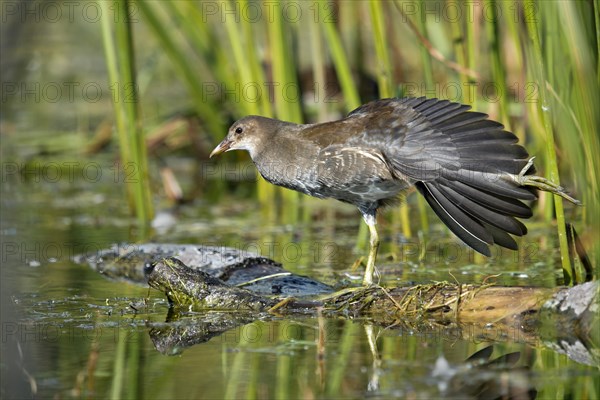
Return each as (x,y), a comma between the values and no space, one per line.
(69,332)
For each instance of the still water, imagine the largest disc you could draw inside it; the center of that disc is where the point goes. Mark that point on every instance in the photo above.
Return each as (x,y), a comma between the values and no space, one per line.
(67,332)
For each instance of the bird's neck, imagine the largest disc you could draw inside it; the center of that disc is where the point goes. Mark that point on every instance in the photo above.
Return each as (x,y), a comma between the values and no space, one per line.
(286,159)
(283,142)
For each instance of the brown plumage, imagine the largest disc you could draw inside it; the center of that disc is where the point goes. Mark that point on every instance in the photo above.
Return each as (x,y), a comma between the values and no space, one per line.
(470,170)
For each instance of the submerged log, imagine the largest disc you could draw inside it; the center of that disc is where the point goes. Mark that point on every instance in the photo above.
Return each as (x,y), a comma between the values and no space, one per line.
(219,278)
(483,305)
(565,319)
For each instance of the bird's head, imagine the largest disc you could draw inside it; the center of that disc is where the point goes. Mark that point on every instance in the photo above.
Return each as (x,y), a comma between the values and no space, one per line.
(249,133)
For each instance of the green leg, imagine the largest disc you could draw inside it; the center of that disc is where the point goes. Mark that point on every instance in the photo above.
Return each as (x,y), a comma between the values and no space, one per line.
(374,246)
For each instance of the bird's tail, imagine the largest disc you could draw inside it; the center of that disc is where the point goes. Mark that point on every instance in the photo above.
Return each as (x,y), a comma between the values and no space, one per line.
(480,195)
(479,217)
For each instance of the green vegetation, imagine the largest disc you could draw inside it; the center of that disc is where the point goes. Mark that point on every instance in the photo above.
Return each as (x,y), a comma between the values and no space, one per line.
(533,66)
(120,60)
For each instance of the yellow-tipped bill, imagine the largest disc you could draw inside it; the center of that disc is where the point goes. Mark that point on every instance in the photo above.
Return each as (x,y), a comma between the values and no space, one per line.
(221,148)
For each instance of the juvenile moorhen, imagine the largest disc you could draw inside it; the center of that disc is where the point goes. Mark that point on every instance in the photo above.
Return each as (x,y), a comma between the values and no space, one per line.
(471,171)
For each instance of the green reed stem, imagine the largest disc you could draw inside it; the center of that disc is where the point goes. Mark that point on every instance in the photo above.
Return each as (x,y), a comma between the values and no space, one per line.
(597,23)
(265,191)
(385,83)
(318,67)
(283,374)
(460,49)
(340,62)
(244,74)
(137,147)
(427,74)
(286,94)
(384,68)
(118,377)
(498,70)
(538,68)
(514,38)
(347,346)
(253,62)
(236,374)
(202,38)
(110,54)
(122,75)
(472,50)
(287,103)
(203,104)
(583,104)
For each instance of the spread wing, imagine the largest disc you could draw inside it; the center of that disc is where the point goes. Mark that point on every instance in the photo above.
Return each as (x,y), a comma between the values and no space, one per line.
(461,162)
(400,132)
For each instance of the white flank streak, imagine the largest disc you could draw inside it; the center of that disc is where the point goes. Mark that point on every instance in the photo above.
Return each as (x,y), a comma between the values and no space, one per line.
(367,154)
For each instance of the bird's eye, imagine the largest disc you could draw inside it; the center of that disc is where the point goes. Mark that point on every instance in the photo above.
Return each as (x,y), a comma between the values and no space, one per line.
(239,130)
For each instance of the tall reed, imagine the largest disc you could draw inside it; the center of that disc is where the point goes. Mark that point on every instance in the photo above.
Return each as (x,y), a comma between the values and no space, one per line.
(120,58)
(539,57)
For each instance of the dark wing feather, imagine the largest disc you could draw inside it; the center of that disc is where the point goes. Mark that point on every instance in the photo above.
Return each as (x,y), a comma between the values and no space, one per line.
(461,162)
(452,220)
(481,213)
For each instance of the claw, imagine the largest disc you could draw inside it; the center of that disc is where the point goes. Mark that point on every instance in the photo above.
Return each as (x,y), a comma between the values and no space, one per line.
(542,183)
(526,167)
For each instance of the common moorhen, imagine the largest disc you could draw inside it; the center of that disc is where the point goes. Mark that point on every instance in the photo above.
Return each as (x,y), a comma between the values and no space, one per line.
(471,171)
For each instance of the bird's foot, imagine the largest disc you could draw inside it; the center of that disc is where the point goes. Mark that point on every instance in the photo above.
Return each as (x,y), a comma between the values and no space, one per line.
(526,167)
(370,271)
(542,183)
(370,274)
